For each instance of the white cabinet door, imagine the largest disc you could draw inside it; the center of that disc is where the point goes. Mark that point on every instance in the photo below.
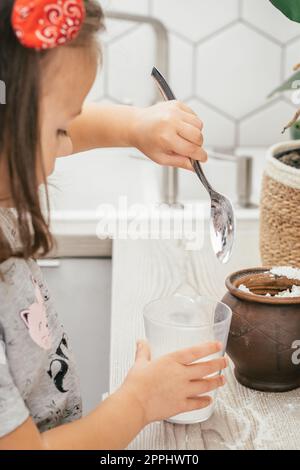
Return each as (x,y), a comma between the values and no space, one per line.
(81,288)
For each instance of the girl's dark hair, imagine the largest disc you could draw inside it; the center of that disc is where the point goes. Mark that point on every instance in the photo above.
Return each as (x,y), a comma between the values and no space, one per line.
(19,130)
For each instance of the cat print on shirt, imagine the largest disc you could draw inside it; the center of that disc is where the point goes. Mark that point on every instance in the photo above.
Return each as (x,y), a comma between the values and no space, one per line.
(35,319)
(59,367)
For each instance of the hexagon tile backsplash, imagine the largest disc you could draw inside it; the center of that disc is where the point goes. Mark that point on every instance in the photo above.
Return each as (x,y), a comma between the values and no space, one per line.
(225,58)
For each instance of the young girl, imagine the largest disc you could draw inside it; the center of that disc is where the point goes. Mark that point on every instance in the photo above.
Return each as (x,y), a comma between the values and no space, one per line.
(48,62)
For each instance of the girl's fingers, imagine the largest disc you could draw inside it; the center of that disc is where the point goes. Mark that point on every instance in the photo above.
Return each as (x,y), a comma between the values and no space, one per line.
(193,120)
(143,353)
(199,154)
(190,133)
(182,146)
(177,161)
(198,387)
(203,369)
(187,149)
(189,355)
(186,108)
(197,403)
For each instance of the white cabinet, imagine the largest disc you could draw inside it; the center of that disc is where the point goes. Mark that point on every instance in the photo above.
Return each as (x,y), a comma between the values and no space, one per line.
(81,288)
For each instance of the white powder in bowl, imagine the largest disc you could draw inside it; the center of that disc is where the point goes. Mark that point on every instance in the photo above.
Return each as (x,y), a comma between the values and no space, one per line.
(294,292)
(286,271)
(243,288)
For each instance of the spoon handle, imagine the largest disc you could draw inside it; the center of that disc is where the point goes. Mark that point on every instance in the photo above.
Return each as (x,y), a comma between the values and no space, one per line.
(168,95)
(163,86)
(201,175)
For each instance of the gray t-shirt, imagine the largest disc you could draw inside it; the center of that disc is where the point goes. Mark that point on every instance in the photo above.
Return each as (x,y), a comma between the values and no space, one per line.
(37,372)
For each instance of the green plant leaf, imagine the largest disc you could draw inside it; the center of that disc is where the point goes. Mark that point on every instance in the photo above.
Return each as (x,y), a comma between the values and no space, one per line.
(290,8)
(287,85)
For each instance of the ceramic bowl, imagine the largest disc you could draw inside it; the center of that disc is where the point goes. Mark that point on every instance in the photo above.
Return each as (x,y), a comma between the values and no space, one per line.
(264,338)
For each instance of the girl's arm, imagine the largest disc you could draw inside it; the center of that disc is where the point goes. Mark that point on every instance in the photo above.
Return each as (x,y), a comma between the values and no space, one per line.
(168,133)
(112,425)
(153,390)
(103,125)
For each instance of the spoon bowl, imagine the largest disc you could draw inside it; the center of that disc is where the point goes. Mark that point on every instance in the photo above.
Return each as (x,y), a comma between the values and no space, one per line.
(222,218)
(222,226)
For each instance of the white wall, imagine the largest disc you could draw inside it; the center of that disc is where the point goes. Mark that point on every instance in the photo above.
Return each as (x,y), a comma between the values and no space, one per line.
(226,56)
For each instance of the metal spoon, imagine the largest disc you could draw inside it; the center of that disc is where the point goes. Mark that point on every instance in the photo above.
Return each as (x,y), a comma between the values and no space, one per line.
(222,219)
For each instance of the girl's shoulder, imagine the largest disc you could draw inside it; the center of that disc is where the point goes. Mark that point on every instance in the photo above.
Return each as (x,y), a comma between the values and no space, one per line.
(17,285)
(14,271)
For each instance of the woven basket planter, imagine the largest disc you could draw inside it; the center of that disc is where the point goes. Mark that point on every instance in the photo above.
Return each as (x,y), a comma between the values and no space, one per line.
(280,210)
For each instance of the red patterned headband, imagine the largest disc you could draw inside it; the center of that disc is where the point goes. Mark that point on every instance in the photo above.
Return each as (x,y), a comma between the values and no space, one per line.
(44,24)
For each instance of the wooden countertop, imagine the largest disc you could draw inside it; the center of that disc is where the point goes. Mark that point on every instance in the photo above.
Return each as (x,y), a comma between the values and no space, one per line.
(244,419)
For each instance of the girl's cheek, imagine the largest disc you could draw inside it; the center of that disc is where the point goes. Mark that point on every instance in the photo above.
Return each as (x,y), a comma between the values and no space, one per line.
(65,147)
(49,158)
(46,159)
(52,149)
(60,148)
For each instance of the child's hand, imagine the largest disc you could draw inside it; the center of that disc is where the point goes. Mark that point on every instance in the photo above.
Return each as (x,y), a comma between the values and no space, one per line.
(171,384)
(169,133)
